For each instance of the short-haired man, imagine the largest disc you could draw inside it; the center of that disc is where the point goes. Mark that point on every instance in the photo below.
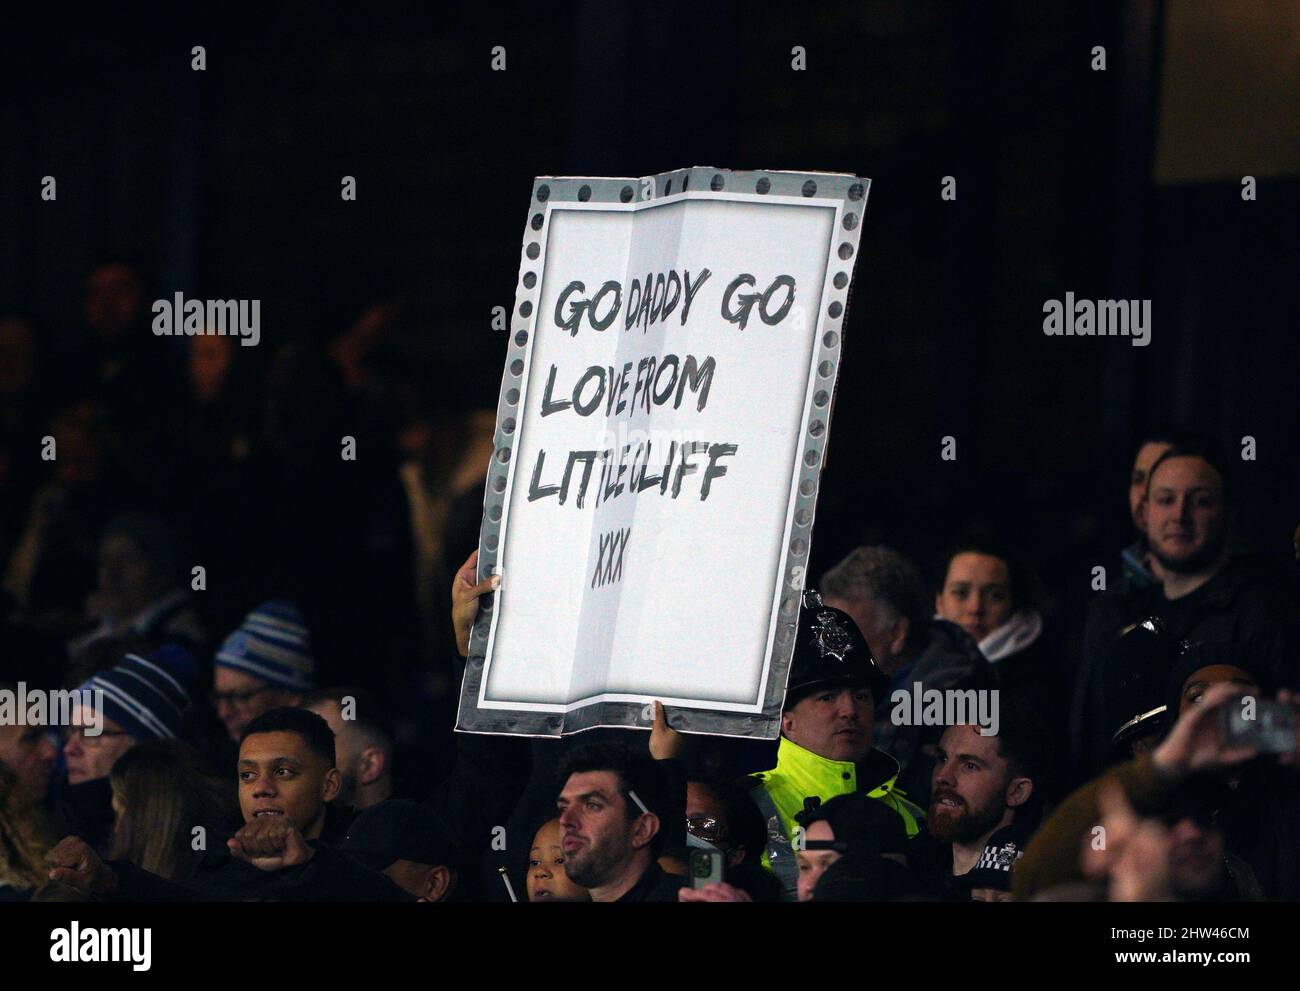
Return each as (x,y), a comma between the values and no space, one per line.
(265,664)
(1204,595)
(826,733)
(981,785)
(363,741)
(611,827)
(1140,568)
(885,595)
(287,780)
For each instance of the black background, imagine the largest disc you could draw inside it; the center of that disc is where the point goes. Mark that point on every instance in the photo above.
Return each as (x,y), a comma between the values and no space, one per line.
(225,183)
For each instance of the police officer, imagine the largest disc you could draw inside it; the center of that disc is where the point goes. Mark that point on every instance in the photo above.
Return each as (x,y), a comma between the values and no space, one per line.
(826,729)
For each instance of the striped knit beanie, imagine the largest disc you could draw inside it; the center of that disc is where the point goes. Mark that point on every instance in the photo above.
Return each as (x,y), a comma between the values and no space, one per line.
(274,644)
(149,696)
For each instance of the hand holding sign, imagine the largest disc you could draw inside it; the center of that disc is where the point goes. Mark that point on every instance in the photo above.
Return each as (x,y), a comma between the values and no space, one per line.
(665,742)
(465,594)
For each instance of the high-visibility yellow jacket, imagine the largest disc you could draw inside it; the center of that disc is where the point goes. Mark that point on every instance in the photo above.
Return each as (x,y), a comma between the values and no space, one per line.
(799,774)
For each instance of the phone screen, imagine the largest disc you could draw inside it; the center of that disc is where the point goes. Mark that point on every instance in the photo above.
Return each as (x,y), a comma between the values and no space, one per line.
(1267,726)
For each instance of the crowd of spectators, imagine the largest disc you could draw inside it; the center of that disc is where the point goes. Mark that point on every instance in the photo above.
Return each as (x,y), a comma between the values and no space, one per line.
(268,628)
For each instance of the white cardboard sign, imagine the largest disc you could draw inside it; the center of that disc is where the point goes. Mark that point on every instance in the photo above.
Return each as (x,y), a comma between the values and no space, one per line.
(663,417)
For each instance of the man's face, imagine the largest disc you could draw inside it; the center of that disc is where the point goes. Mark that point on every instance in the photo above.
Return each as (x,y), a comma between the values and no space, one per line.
(989,895)
(240,698)
(813,863)
(114,300)
(976,593)
(280,775)
(968,789)
(127,579)
(835,723)
(548,879)
(1147,455)
(878,624)
(1196,867)
(597,838)
(1187,520)
(90,758)
(347,747)
(29,752)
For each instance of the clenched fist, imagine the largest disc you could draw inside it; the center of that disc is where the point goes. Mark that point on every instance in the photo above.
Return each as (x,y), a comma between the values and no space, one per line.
(74,862)
(270,844)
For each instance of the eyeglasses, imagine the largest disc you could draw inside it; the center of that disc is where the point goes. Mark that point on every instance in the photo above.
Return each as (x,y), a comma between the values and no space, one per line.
(86,739)
(236,698)
(707,828)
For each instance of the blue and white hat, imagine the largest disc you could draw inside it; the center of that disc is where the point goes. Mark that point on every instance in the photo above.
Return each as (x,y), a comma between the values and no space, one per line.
(148,696)
(274,644)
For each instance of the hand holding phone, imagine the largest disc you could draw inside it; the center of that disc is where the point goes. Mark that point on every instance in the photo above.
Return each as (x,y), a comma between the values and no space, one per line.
(706,868)
(1267,726)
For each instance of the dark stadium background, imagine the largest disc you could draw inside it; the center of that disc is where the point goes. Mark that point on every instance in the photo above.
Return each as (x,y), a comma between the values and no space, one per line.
(226,183)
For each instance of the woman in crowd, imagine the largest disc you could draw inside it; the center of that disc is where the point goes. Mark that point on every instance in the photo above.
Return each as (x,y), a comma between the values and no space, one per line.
(159,799)
(22,840)
(991,594)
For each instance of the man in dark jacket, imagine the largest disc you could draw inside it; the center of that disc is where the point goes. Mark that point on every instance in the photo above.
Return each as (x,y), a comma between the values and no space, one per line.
(1138,568)
(1204,595)
(984,787)
(613,810)
(287,780)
